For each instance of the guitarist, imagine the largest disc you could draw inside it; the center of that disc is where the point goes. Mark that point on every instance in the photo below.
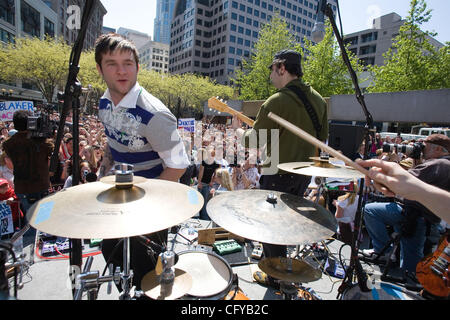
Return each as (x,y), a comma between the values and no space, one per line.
(304,107)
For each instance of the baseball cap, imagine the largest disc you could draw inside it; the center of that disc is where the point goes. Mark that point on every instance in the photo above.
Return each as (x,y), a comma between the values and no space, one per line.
(440,140)
(12,132)
(289,57)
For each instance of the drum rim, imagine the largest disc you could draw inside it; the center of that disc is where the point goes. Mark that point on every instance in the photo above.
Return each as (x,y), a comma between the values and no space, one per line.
(216,296)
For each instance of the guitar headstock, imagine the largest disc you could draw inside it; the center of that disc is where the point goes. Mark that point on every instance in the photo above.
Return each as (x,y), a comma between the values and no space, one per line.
(218,104)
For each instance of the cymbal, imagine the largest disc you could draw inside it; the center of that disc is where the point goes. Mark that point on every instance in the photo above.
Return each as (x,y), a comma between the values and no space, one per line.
(154,289)
(102,210)
(321,168)
(291,270)
(291,220)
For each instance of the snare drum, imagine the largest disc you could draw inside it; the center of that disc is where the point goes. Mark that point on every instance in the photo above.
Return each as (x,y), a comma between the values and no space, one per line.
(380,291)
(212,276)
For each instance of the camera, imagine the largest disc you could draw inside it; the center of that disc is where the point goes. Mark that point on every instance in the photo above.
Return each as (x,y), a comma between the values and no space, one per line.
(414,151)
(41,126)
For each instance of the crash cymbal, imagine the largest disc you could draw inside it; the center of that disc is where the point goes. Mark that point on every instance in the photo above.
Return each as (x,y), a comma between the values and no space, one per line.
(321,168)
(103,210)
(285,220)
(291,270)
(152,287)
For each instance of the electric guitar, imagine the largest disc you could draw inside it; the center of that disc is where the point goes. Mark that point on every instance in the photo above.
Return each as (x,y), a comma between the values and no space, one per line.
(221,106)
(432,271)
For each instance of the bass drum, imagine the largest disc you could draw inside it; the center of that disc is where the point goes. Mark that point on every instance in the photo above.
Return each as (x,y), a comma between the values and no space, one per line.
(380,291)
(212,276)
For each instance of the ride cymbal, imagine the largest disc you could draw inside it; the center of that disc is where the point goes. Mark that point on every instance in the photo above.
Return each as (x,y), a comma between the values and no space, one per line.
(321,168)
(102,210)
(291,270)
(272,217)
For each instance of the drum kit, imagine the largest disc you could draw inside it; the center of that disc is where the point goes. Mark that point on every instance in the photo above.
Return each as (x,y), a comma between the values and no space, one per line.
(115,207)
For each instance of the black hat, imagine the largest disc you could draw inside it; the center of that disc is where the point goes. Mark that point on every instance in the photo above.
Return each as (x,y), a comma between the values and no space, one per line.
(290,57)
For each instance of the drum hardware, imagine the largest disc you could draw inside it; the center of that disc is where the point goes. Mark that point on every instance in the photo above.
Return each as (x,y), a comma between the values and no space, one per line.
(90,281)
(166,282)
(17,264)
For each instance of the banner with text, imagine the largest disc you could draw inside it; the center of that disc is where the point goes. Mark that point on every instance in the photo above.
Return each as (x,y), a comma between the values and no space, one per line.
(7,108)
(187,124)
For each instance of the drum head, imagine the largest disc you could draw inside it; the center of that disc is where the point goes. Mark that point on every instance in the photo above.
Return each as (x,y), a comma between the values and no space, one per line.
(380,291)
(211,274)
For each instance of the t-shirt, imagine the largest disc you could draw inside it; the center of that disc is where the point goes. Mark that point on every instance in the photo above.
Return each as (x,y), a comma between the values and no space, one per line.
(208,171)
(349,210)
(141,131)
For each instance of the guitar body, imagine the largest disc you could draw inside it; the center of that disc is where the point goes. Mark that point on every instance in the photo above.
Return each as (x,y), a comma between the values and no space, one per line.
(432,271)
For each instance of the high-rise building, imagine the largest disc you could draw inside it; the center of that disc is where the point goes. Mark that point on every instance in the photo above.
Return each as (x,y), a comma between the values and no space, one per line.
(137,37)
(369,45)
(70,13)
(163,20)
(19,18)
(212,37)
(155,56)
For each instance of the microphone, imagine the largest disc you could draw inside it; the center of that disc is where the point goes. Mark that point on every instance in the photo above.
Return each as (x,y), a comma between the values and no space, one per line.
(318,31)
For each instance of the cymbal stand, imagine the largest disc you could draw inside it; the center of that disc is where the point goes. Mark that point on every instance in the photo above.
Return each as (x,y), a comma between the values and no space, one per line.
(90,281)
(127,275)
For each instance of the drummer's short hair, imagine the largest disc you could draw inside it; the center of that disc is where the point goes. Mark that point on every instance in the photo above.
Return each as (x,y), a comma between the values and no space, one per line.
(110,42)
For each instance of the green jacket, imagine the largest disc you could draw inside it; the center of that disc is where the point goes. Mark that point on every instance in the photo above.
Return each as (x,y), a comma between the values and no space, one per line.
(288,106)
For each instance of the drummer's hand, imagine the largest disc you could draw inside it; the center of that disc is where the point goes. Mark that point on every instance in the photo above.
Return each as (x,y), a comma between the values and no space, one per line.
(390,178)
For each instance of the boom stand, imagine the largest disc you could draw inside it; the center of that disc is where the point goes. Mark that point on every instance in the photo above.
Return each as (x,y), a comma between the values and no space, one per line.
(71,100)
(355,265)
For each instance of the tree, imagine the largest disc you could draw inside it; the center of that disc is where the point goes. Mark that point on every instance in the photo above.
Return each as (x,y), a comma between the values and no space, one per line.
(39,62)
(413,63)
(253,79)
(325,70)
(182,92)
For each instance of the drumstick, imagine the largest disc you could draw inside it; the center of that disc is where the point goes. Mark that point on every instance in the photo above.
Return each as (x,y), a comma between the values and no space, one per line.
(309,138)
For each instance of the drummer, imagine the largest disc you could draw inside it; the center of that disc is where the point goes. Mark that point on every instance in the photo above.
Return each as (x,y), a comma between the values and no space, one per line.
(141,131)
(286,75)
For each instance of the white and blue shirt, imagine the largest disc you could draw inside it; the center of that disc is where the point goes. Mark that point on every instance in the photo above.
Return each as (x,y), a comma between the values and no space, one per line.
(141,131)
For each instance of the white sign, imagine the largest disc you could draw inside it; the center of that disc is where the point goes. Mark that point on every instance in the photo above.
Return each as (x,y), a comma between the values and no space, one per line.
(7,108)
(187,124)
(6,220)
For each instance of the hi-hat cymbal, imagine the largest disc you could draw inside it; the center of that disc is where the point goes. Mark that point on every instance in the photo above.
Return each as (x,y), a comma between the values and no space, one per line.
(102,210)
(290,220)
(321,168)
(291,270)
(152,287)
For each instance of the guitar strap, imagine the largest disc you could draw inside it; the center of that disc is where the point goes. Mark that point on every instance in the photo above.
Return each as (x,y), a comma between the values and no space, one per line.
(309,108)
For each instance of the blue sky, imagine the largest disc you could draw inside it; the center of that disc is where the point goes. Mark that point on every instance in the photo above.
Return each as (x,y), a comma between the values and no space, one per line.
(356,14)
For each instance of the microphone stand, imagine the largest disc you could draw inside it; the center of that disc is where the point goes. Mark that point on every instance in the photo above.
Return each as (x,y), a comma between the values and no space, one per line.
(72,95)
(355,265)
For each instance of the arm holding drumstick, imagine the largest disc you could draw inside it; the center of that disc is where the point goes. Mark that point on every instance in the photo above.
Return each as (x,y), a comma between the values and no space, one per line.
(388,177)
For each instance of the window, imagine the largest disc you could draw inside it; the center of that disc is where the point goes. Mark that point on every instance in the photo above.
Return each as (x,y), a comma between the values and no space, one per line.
(7,11)
(49,28)
(31,20)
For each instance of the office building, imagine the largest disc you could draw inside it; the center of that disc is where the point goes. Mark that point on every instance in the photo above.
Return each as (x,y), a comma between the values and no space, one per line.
(163,20)
(137,37)
(369,45)
(155,56)
(25,18)
(212,37)
(70,13)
